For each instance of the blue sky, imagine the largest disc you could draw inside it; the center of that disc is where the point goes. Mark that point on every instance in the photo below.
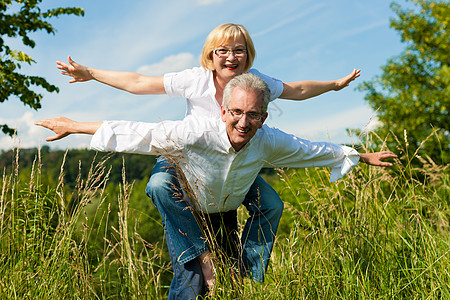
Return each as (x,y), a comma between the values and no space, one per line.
(294,40)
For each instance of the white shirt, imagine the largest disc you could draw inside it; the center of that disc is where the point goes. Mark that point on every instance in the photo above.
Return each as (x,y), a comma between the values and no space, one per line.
(197,86)
(218,176)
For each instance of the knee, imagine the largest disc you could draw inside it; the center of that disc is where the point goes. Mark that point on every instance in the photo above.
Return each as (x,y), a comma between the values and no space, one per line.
(268,197)
(161,185)
(271,203)
(267,203)
(278,205)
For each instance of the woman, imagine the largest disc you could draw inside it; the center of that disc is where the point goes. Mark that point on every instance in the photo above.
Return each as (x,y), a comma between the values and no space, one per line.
(228,52)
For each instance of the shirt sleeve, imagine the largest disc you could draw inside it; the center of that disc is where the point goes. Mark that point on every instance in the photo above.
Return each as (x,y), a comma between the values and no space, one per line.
(188,84)
(275,85)
(139,137)
(286,150)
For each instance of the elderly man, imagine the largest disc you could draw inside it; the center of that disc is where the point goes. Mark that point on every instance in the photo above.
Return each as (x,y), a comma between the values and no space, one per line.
(218,160)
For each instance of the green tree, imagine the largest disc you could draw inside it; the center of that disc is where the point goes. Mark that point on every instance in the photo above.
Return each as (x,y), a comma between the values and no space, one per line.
(413,92)
(17,19)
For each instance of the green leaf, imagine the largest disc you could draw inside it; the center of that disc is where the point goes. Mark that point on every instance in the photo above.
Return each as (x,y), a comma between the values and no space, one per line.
(412,93)
(27,18)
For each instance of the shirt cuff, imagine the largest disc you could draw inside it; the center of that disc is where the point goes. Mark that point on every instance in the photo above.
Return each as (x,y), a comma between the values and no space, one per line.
(168,84)
(350,160)
(100,139)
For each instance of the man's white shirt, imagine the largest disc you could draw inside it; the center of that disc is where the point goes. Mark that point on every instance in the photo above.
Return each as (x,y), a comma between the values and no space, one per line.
(218,176)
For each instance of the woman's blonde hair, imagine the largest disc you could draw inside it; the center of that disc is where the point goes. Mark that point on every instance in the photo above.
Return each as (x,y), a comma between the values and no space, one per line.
(223,34)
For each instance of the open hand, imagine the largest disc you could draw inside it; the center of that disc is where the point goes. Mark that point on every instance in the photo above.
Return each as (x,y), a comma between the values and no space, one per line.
(59,125)
(78,72)
(345,81)
(377,158)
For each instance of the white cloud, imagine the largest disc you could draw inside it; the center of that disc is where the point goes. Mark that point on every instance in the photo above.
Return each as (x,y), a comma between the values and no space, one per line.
(286,21)
(170,63)
(361,29)
(32,136)
(25,132)
(373,124)
(341,36)
(208,2)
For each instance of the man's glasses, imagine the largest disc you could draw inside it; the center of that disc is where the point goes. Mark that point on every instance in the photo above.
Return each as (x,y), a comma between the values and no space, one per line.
(227,52)
(237,114)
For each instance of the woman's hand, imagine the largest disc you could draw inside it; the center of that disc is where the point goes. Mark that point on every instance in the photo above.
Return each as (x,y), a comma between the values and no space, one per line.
(79,73)
(345,81)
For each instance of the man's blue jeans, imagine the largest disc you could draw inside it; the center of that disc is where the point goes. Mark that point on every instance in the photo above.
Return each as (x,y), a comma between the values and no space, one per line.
(185,238)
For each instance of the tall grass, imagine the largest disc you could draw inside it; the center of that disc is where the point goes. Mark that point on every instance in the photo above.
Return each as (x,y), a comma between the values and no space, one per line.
(46,240)
(376,234)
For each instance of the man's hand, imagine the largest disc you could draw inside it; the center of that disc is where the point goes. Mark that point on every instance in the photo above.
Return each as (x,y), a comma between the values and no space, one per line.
(376,159)
(78,72)
(345,81)
(63,127)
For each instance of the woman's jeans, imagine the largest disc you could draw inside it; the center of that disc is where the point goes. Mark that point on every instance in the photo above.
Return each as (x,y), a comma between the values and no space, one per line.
(185,238)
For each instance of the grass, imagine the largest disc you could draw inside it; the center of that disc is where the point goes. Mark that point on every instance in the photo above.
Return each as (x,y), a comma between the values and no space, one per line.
(376,234)
(46,245)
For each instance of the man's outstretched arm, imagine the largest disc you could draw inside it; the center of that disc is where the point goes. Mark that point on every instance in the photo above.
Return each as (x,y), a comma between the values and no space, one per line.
(377,158)
(63,127)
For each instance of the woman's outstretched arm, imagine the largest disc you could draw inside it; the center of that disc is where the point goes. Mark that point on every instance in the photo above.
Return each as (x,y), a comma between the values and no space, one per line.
(128,81)
(301,90)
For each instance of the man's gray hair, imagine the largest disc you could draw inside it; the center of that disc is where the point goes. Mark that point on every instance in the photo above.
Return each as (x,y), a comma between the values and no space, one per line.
(247,82)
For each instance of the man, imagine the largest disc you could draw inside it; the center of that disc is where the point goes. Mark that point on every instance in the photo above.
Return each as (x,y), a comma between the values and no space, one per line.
(218,160)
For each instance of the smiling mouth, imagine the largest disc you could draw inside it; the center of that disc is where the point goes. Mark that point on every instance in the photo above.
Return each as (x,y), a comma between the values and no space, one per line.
(243,130)
(231,67)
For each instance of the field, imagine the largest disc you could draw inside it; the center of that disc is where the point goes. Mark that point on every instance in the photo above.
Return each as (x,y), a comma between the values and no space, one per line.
(375,234)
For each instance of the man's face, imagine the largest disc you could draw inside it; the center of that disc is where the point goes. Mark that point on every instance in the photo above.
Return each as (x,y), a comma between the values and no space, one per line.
(241,129)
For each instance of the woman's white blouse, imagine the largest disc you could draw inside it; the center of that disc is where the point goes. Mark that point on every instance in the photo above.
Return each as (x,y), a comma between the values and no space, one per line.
(197,86)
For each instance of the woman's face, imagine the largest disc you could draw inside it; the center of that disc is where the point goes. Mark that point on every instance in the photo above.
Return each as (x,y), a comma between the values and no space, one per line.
(228,66)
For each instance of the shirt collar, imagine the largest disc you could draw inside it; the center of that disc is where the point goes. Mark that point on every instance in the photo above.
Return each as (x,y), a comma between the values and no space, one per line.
(224,137)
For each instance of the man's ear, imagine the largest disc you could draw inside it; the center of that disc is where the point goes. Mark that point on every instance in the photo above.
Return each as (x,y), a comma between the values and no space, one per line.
(223,111)
(264,117)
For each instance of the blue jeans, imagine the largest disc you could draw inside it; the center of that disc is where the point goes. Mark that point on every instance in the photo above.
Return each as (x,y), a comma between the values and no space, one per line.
(185,237)
(265,208)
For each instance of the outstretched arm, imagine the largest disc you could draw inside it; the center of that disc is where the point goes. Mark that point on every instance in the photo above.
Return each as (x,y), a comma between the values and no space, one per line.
(63,127)
(377,158)
(301,90)
(128,81)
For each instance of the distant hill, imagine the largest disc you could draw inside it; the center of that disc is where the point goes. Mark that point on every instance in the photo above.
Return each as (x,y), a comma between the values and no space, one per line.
(79,161)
